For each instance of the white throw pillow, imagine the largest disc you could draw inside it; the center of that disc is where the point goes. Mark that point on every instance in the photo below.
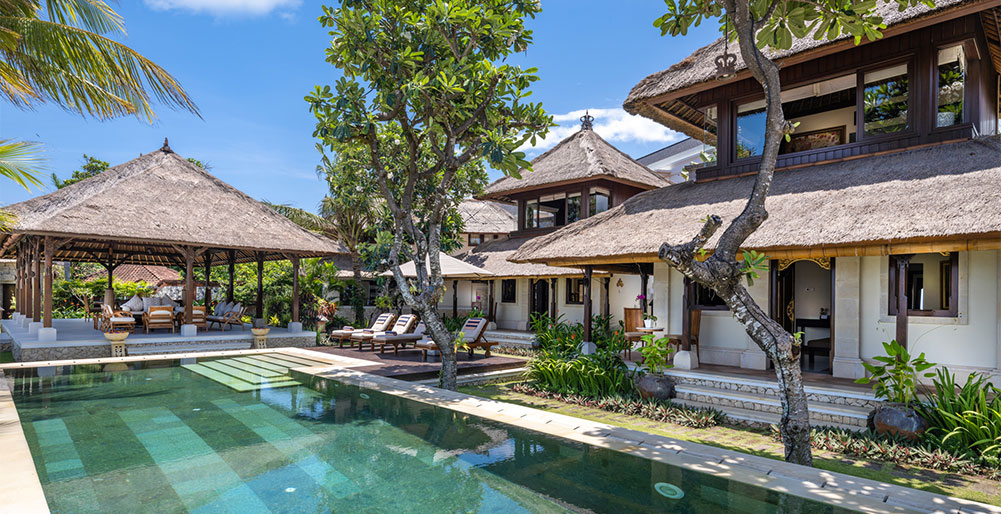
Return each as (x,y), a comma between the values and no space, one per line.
(167,301)
(135,304)
(147,303)
(236,307)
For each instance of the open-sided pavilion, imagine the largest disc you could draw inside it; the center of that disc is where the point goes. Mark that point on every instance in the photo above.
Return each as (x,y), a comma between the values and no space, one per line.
(156,209)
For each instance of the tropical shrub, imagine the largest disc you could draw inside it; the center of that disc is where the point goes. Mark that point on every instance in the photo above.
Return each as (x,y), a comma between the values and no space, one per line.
(556,335)
(606,336)
(655,353)
(966,419)
(896,380)
(695,417)
(599,374)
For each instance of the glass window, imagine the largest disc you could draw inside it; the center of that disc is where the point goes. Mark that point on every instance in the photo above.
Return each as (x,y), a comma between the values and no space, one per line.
(475,239)
(750,129)
(575,291)
(709,128)
(932,288)
(553,210)
(951,79)
(600,200)
(509,290)
(573,208)
(704,298)
(531,214)
(824,111)
(886,93)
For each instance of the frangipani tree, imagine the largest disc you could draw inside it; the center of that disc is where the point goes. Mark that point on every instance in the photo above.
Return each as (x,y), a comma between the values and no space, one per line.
(758,25)
(426,88)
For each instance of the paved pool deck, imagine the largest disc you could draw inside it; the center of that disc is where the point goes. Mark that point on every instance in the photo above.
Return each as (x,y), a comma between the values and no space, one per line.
(408,365)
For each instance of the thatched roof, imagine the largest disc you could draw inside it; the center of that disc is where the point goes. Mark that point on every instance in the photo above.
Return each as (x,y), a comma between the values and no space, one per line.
(582,156)
(487,217)
(700,67)
(155,276)
(943,192)
(450,267)
(493,257)
(144,207)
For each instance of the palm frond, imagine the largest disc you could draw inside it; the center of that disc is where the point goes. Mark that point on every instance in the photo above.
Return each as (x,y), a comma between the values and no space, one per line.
(86,72)
(8,220)
(93,15)
(301,217)
(21,162)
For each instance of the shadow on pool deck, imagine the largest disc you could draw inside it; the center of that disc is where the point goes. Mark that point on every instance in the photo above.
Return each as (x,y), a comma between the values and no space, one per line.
(409,366)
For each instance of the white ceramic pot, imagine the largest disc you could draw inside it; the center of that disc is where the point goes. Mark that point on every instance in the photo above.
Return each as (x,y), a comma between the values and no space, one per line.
(648,323)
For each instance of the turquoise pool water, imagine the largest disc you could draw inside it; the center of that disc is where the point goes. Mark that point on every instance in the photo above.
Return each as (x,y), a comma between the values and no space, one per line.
(242,435)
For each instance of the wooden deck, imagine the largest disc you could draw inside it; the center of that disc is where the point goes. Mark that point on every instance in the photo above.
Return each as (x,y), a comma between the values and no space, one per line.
(409,366)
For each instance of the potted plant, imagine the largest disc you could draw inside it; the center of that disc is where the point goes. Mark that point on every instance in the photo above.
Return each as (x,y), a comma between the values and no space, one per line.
(639,299)
(116,336)
(651,382)
(649,320)
(895,381)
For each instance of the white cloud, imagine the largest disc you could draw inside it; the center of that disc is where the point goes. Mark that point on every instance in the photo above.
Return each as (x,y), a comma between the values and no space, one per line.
(614,125)
(227,7)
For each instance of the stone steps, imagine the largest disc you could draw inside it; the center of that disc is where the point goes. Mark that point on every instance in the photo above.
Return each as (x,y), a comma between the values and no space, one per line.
(754,417)
(765,388)
(770,407)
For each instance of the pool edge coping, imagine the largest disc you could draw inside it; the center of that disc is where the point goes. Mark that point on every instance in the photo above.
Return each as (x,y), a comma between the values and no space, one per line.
(21,488)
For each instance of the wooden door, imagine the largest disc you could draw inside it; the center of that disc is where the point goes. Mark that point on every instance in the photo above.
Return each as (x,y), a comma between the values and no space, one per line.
(540,297)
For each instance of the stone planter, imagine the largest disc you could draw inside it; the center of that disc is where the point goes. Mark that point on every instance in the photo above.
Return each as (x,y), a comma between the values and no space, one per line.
(897,419)
(116,337)
(660,387)
(260,336)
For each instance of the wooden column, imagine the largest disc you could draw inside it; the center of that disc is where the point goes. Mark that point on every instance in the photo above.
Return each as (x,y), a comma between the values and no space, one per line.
(260,285)
(606,307)
(644,280)
(686,316)
(491,313)
(189,283)
(552,298)
(50,253)
(455,298)
(588,270)
(19,280)
(232,274)
(208,280)
(36,297)
(295,288)
(903,263)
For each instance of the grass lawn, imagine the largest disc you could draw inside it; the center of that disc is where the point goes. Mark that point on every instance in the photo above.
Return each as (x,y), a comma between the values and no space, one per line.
(6,357)
(758,442)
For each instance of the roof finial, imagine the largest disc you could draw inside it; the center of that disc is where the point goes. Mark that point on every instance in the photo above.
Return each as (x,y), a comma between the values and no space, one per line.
(585,121)
(166,147)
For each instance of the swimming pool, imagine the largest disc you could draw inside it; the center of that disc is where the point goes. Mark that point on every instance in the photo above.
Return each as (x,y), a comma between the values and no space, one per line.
(244,434)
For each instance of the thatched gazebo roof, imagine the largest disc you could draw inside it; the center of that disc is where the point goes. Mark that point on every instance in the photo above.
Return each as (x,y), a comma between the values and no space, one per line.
(143,211)
(582,156)
(940,198)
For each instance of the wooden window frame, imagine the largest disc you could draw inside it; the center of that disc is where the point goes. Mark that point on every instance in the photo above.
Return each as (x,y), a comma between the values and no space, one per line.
(574,291)
(469,239)
(514,290)
(690,285)
(951,312)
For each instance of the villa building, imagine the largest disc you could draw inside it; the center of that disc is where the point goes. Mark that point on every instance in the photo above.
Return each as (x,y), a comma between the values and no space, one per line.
(884,212)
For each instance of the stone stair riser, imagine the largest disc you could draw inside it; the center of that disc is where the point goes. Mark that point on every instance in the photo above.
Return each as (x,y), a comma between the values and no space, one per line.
(817,413)
(772,392)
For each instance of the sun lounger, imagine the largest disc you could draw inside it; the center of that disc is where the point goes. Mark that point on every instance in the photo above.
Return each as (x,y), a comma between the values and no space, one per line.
(399,340)
(403,325)
(381,324)
(472,335)
(227,315)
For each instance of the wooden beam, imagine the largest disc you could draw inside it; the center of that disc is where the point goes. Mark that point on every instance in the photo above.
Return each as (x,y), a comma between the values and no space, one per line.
(295,288)
(231,254)
(686,316)
(189,283)
(553,311)
(51,245)
(208,281)
(903,264)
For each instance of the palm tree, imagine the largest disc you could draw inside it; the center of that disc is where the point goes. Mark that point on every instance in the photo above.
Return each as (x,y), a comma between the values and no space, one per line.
(58,51)
(348,214)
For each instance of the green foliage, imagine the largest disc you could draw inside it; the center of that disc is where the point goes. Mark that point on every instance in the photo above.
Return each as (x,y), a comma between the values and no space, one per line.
(555,335)
(599,374)
(753,263)
(897,378)
(655,353)
(606,336)
(665,412)
(70,298)
(790,19)
(91,166)
(964,419)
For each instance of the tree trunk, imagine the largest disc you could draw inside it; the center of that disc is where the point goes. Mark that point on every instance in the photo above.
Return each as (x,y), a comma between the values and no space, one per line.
(724,274)
(446,344)
(358,306)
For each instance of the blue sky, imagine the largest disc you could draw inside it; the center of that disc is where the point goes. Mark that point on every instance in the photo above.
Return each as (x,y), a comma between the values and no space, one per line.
(248,64)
